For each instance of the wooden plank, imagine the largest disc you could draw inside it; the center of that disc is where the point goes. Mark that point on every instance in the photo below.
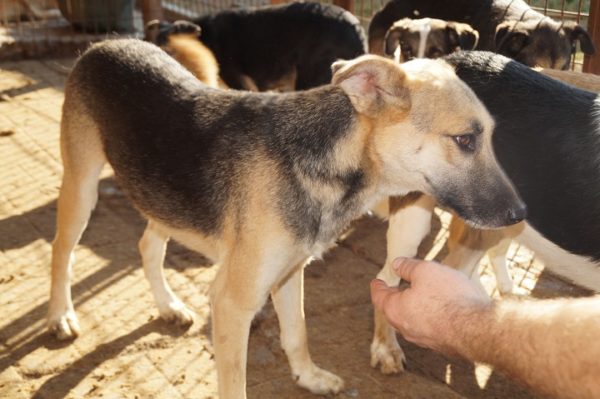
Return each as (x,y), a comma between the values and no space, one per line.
(591,64)
(347,4)
(152,9)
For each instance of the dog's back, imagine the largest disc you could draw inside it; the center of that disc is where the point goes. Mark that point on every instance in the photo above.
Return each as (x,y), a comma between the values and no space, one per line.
(210,138)
(550,151)
(268,44)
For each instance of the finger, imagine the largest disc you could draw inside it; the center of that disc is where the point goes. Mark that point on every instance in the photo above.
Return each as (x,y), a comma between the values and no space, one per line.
(380,292)
(407,268)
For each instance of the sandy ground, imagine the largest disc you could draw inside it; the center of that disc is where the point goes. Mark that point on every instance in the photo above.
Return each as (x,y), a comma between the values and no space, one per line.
(125,351)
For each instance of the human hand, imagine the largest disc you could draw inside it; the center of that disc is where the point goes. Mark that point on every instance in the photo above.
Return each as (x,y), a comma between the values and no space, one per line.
(432,309)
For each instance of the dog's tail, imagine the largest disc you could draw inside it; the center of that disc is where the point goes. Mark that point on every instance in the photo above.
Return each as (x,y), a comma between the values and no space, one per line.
(195,57)
(578,269)
(181,39)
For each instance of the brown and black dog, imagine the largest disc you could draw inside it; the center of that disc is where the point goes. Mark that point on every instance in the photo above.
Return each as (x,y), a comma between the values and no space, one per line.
(508,27)
(261,182)
(180,41)
(283,47)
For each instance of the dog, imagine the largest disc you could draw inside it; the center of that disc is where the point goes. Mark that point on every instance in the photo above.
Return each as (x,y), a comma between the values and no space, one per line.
(508,27)
(180,40)
(467,245)
(284,47)
(546,139)
(427,38)
(412,34)
(261,182)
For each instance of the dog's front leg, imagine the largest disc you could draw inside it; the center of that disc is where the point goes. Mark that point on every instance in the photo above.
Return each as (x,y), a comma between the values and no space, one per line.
(288,302)
(409,223)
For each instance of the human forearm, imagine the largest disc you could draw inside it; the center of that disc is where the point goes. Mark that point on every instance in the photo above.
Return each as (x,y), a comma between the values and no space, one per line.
(552,346)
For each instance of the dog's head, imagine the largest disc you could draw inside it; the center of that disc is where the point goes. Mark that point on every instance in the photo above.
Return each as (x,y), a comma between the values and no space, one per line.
(543,43)
(158,32)
(428,38)
(430,133)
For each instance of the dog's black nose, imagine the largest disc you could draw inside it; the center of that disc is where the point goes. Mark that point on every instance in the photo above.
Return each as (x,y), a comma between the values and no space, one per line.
(515,215)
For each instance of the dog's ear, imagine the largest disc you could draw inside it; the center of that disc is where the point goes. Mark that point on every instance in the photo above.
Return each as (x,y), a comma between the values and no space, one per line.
(576,32)
(462,35)
(509,39)
(372,82)
(393,35)
(185,27)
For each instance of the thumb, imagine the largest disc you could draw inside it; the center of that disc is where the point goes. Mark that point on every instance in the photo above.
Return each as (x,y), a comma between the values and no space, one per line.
(380,292)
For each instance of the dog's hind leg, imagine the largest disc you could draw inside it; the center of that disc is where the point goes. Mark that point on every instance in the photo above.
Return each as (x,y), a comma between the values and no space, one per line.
(288,303)
(409,223)
(83,159)
(153,246)
(467,246)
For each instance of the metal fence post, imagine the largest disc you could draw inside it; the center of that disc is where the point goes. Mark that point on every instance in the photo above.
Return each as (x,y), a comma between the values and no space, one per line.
(152,9)
(591,64)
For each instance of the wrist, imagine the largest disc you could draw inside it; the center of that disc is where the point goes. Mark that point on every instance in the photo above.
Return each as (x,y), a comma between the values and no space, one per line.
(468,326)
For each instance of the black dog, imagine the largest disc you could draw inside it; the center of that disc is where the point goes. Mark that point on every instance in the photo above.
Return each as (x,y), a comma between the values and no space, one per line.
(507,27)
(547,141)
(289,46)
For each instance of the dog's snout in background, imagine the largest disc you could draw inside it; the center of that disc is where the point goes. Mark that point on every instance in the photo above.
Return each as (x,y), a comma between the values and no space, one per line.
(428,38)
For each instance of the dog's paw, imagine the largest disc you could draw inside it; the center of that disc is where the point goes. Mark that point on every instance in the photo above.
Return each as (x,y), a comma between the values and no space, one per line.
(390,358)
(64,326)
(177,313)
(319,381)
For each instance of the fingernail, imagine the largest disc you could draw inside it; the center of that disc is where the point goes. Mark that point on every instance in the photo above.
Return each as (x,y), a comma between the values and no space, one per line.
(397,262)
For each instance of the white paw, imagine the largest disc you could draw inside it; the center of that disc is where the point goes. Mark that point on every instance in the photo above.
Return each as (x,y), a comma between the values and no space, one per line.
(64,326)
(319,381)
(177,313)
(389,356)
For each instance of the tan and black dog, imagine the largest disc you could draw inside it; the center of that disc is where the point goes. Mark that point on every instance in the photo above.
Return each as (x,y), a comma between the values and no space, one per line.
(261,182)
(180,41)
(508,27)
(426,38)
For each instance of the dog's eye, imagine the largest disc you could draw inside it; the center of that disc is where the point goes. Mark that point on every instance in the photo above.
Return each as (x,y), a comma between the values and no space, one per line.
(465,142)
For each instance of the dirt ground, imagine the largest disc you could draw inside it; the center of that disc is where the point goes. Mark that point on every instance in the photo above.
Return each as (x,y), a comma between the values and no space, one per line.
(125,351)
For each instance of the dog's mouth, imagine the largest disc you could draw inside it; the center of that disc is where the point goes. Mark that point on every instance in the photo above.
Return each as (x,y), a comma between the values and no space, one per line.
(485,217)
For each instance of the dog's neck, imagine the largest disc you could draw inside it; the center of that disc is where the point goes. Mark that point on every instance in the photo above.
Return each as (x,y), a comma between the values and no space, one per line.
(327,162)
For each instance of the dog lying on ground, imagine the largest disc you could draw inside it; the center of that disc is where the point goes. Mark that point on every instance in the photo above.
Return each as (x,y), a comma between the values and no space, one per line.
(427,38)
(546,139)
(285,47)
(180,41)
(260,182)
(508,27)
